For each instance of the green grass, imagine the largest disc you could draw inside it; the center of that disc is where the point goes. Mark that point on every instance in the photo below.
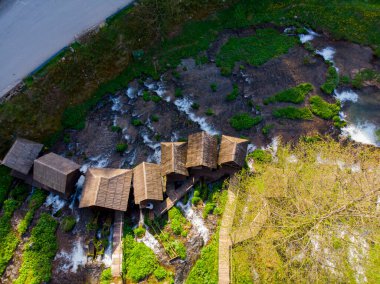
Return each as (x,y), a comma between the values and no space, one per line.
(255,50)
(365,75)
(266,129)
(293,113)
(106,276)
(234,94)
(205,270)
(116,128)
(244,121)
(209,112)
(103,64)
(295,95)
(39,252)
(36,200)
(260,156)
(332,81)
(137,122)
(323,109)
(139,232)
(178,223)
(121,147)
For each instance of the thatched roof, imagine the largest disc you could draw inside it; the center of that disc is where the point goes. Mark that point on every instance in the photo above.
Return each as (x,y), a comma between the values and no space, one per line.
(147,182)
(56,172)
(173,158)
(107,188)
(232,151)
(202,150)
(22,155)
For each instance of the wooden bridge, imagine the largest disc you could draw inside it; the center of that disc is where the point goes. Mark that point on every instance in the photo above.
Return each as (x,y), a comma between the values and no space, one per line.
(117,247)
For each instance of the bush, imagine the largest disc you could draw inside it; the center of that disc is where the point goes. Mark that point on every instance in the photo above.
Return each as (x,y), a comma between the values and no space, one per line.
(209,208)
(139,232)
(115,128)
(244,121)
(68,223)
(332,81)
(267,128)
(155,118)
(146,96)
(106,276)
(39,252)
(234,94)
(196,200)
(137,122)
(195,106)
(160,273)
(177,221)
(339,123)
(156,98)
(213,87)
(260,156)
(365,75)
(323,109)
(209,112)
(293,113)
(179,248)
(178,93)
(294,95)
(121,147)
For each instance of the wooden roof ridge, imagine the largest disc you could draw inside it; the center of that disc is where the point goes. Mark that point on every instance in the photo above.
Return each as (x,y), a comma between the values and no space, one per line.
(235,139)
(66,165)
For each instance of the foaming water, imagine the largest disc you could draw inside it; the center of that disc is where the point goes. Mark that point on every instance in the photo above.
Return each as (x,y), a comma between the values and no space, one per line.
(55,201)
(363,132)
(72,260)
(184,105)
(346,95)
(150,241)
(308,37)
(155,146)
(107,257)
(327,53)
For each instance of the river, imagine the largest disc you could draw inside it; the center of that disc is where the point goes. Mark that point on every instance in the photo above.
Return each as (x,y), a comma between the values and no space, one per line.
(31,31)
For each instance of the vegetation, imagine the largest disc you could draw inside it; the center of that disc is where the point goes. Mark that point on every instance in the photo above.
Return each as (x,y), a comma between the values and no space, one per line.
(39,252)
(244,121)
(260,156)
(116,128)
(121,147)
(5,183)
(365,75)
(36,200)
(160,273)
(295,95)
(139,232)
(234,94)
(178,93)
(195,106)
(155,118)
(293,113)
(137,122)
(338,122)
(323,109)
(332,81)
(209,112)
(205,270)
(106,276)
(214,87)
(266,129)
(178,223)
(321,225)
(68,223)
(255,50)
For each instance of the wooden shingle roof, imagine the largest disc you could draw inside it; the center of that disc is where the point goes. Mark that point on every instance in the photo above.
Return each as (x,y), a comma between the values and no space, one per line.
(232,151)
(21,155)
(55,172)
(107,188)
(173,158)
(202,150)
(147,182)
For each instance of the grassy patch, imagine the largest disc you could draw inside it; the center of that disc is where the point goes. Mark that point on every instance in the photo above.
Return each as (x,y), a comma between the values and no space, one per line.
(139,232)
(244,121)
(294,95)
(266,129)
(36,200)
(205,270)
(234,94)
(68,223)
(209,112)
(39,252)
(178,223)
(293,113)
(121,147)
(323,109)
(255,50)
(332,81)
(260,156)
(106,276)
(365,75)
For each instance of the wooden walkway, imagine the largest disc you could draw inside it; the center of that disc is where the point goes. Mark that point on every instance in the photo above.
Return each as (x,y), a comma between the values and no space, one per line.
(117,247)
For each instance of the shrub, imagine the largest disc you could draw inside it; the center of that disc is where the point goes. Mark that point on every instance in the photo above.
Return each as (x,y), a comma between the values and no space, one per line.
(137,122)
(322,108)
(267,128)
(213,87)
(179,248)
(156,98)
(209,112)
(116,128)
(295,95)
(260,156)
(178,93)
(155,118)
(139,232)
(196,200)
(244,121)
(234,94)
(345,80)
(209,208)
(68,223)
(365,75)
(293,113)
(309,46)
(338,122)
(106,276)
(121,147)
(177,221)
(332,81)
(195,106)
(160,273)
(146,96)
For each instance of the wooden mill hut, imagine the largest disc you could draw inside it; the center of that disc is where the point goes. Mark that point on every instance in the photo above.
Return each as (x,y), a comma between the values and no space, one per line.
(202,151)
(173,160)
(107,188)
(147,183)
(21,156)
(53,172)
(232,151)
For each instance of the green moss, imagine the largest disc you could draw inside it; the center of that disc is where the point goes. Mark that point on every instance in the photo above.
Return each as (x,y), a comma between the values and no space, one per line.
(137,122)
(255,50)
(209,112)
(323,109)
(116,128)
(244,121)
(234,94)
(68,223)
(121,147)
(294,95)
(139,232)
(332,81)
(293,113)
(39,253)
